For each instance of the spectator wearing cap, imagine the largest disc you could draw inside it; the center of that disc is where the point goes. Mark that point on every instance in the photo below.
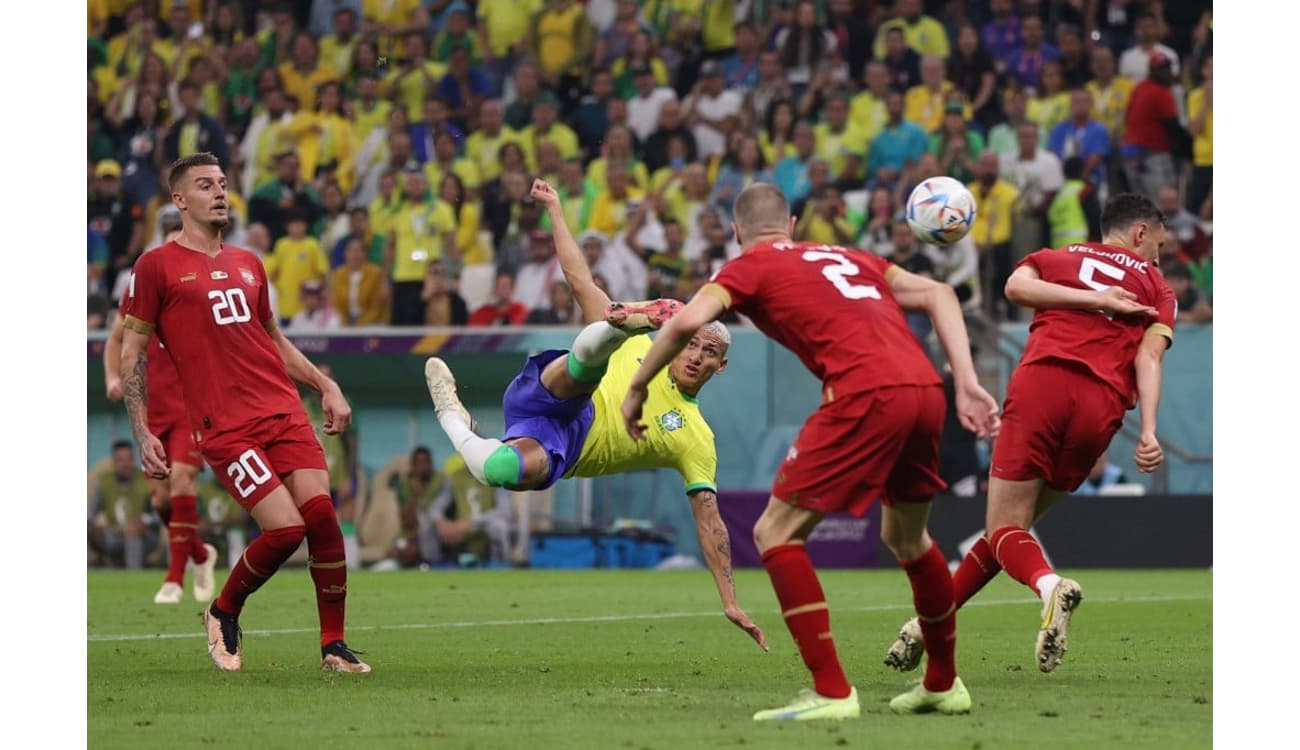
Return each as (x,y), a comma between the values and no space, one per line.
(1084,137)
(1136,62)
(712,110)
(1200,112)
(117,217)
(464,87)
(458,34)
(804,46)
(561,39)
(547,126)
(314,313)
(503,26)
(923,34)
(485,141)
(295,259)
(609,212)
(357,288)
(443,304)
(1026,64)
(644,106)
(898,146)
(1150,127)
(444,161)
(504,309)
(422,231)
(337,46)
(740,68)
(841,144)
(924,103)
(193,131)
(272,201)
(436,119)
(971,70)
(526,88)
(956,145)
(902,62)
(1050,104)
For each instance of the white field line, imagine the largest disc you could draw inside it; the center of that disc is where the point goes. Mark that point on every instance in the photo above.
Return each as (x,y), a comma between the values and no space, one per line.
(198,632)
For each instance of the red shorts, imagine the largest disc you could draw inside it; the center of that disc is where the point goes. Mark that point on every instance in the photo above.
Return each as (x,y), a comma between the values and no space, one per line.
(1056,421)
(250,461)
(879,443)
(178,441)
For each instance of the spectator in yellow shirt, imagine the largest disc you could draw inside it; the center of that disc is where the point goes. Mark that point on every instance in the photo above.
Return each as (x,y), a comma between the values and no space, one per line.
(561,39)
(924,103)
(996,204)
(618,148)
(924,34)
(325,142)
(483,143)
(467,213)
(393,21)
(546,125)
(336,49)
(610,211)
(297,257)
(1200,113)
(415,80)
(368,110)
(1110,93)
(422,231)
(1050,106)
(841,144)
(443,161)
(867,109)
(503,29)
(305,72)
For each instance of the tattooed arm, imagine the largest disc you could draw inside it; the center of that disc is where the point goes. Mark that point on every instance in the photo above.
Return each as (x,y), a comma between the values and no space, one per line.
(715,544)
(135,392)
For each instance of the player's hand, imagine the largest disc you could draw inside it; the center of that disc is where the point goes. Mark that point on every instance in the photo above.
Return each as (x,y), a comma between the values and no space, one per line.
(978,411)
(338,414)
(153,459)
(113,388)
(738,616)
(544,194)
(632,404)
(1149,455)
(1117,300)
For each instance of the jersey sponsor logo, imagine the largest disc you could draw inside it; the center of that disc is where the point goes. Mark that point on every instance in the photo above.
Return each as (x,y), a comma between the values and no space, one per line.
(248,277)
(671,420)
(219,275)
(189,277)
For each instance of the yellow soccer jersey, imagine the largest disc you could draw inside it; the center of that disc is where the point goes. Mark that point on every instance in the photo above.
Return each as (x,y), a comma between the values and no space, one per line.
(677,437)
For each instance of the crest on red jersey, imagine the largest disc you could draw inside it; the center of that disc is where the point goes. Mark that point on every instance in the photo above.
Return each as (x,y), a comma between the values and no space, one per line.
(248,277)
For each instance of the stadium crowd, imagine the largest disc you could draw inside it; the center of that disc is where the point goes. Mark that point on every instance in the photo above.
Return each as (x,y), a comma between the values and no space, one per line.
(380,152)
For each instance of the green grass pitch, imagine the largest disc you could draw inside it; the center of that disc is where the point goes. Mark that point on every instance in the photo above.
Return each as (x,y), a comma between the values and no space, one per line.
(636,659)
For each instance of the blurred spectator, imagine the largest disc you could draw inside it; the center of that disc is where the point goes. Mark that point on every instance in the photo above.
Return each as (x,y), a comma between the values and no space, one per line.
(924,104)
(670,127)
(1152,131)
(1036,174)
(503,25)
(1075,65)
(512,215)
(878,234)
(443,305)
(741,68)
(826,219)
(971,70)
(305,71)
(561,39)
(613,43)
(669,269)
(264,140)
(456,34)
(609,212)
(539,270)
(423,231)
(563,309)
(898,146)
(956,144)
(1050,104)
(200,74)
(444,161)
(412,82)
(1065,214)
(464,87)
(907,254)
(137,149)
(646,103)
(717,246)
(867,109)
(469,245)
(791,173)
(776,139)
(547,126)
(577,194)
(712,110)
(387,204)
(1137,61)
(96,262)
(271,202)
(739,172)
(1187,240)
(194,131)
(296,259)
(996,203)
(852,36)
(1083,137)
(449,517)
(772,86)
(1103,474)
(624,273)
(359,228)
(526,88)
(1192,305)
(504,309)
(326,145)
(1025,65)
(591,117)
(334,223)
(484,143)
(116,217)
(922,33)
(1110,93)
(387,151)
(902,62)
(315,314)
(435,120)
(338,42)
(957,265)
(369,112)
(239,91)
(120,525)
(357,288)
(1001,35)
(152,79)
(804,46)
(417,493)
(1200,112)
(1003,139)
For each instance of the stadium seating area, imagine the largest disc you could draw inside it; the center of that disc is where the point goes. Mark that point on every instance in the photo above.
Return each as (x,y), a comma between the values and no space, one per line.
(380,153)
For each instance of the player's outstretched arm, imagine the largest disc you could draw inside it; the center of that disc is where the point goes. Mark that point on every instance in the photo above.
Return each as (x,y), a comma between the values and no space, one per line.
(977,410)
(135,392)
(113,360)
(1027,289)
(338,414)
(590,298)
(1148,363)
(715,544)
(673,337)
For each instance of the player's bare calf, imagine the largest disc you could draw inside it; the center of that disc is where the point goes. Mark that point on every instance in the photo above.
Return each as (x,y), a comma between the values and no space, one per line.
(635,318)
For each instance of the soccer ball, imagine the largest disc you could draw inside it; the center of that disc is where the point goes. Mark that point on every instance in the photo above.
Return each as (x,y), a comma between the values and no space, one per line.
(940,211)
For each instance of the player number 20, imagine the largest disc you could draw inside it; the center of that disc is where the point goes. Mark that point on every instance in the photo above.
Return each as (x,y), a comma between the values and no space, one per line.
(248,473)
(838,275)
(229,306)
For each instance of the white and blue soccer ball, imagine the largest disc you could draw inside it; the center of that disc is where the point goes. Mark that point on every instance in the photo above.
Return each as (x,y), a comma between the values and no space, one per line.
(940,211)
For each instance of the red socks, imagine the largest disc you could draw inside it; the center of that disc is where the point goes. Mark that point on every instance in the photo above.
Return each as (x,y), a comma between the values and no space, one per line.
(803,605)
(977,568)
(1019,553)
(932,596)
(258,563)
(182,536)
(329,568)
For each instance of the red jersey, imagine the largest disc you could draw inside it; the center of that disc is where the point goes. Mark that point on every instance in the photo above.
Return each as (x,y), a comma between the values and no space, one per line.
(213,315)
(1104,345)
(833,308)
(1148,107)
(166,406)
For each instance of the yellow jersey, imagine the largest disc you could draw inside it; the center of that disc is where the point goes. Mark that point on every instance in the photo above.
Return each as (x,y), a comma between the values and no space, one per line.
(419,231)
(1203,144)
(507,22)
(677,436)
(994,210)
(292,262)
(1110,104)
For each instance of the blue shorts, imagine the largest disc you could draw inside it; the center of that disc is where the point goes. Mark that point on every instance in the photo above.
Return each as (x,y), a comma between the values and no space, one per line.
(559,424)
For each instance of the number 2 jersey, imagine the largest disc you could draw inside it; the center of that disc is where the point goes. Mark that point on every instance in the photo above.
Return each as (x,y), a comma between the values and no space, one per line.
(214,317)
(1103,345)
(833,308)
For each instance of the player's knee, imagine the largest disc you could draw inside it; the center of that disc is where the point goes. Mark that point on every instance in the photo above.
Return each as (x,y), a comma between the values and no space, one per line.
(906,546)
(182,483)
(767,534)
(504,467)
